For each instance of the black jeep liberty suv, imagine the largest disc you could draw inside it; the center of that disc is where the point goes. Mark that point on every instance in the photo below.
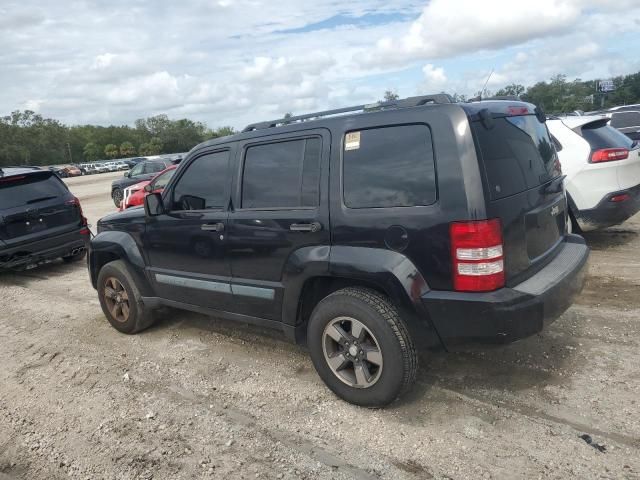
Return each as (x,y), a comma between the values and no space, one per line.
(365,232)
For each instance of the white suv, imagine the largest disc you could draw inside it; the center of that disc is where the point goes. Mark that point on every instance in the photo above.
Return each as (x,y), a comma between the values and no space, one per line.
(602,168)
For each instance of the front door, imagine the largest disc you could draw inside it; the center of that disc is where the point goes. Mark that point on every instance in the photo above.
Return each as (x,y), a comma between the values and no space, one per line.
(186,245)
(281,210)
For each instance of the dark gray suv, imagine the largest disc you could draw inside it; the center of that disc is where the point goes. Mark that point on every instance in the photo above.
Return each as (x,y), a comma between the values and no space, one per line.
(366,233)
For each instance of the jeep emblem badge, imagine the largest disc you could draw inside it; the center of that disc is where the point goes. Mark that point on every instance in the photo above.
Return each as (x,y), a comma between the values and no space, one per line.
(555,210)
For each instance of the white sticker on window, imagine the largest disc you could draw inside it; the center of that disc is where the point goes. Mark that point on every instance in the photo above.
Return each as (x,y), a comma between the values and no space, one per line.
(352,141)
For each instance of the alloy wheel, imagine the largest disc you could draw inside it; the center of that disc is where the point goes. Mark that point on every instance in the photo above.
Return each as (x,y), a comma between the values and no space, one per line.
(352,352)
(116,299)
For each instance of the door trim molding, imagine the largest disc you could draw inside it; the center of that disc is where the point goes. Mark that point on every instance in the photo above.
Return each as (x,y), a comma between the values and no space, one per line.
(216,286)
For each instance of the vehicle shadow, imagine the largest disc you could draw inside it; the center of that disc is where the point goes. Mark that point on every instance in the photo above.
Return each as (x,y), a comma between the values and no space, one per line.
(531,363)
(40,273)
(610,237)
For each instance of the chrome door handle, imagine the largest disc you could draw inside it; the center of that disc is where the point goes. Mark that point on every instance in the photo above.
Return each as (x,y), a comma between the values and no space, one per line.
(306,227)
(212,227)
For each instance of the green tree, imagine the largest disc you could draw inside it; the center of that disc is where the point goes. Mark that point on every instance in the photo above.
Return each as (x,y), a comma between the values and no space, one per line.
(127,149)
(513,90)
(111,151)
(91,152)
(390,95)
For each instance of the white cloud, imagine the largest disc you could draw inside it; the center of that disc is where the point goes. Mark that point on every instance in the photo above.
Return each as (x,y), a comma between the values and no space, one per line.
(452,27)
(434,78)
(228,62)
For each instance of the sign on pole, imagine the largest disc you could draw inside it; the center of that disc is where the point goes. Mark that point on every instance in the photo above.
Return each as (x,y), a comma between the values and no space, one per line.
(606,86)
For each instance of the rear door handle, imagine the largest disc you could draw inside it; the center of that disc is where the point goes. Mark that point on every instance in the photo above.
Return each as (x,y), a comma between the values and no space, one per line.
(212,227)
(306,227)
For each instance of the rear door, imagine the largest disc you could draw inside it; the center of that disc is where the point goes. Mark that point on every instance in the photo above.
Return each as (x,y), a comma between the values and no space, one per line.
(523,185)
(35,205)
(280,208)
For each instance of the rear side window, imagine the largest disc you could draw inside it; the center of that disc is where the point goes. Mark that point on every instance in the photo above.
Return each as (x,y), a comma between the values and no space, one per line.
(600,136)
(389,167)
(154,167)
(517,154)
(282,175)
(29,190)
(203,185)
(625,119)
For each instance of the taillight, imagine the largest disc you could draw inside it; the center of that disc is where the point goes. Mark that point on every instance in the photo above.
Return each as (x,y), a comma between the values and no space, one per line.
(623,197)
(609,155)
(517,110)
(477,255)
(76,201)
(11,179)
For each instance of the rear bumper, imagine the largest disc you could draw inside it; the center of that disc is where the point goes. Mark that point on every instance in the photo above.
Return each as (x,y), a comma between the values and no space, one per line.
(608,213)
(44,250)
(510,314)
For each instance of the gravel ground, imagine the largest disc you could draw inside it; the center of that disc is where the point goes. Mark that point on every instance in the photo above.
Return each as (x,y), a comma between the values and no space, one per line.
(195,397)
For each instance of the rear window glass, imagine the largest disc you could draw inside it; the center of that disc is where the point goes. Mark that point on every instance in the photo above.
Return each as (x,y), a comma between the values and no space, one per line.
(517,154)
(625,119)
(601,136)
(389,167)
(29,190)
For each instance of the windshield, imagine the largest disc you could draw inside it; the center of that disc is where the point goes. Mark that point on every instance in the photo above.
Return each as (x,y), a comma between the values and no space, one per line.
(517,153)
(29,189)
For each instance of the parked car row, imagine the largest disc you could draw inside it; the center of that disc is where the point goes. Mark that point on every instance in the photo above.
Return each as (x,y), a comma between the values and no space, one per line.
(143,171)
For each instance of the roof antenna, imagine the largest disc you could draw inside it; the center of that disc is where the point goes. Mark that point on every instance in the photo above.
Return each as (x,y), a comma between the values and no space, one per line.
(484,87)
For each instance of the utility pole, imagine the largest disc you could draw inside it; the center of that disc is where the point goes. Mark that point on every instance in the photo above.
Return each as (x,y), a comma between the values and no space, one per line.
(70,156)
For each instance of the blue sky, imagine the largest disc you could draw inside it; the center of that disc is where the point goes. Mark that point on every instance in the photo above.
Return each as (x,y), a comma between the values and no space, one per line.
(232,62)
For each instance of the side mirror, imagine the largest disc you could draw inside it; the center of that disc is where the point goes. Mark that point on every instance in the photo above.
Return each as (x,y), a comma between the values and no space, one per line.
(127,174)
(153,205)
(147,188)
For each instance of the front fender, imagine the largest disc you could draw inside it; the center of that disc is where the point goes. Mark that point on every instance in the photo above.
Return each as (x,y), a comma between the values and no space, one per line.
(116,245)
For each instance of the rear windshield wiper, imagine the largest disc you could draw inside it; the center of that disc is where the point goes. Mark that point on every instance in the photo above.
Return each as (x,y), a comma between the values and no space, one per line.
(41,199)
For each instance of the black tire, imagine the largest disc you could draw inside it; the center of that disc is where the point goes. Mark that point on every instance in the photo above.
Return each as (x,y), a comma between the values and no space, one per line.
(139,317)
(117,195)
(399,357)
(75,258)
(575,228)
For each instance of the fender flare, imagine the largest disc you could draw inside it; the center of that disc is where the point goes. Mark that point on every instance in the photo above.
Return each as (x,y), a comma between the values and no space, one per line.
(112,245)
(387,270)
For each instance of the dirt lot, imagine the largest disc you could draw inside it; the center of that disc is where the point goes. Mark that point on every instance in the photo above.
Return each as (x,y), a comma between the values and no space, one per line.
(195,397)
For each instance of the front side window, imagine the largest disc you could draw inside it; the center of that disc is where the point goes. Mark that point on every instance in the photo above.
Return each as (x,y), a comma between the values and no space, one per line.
(282,175)
(137,170)
(203,184)
(162,179)
(389,167)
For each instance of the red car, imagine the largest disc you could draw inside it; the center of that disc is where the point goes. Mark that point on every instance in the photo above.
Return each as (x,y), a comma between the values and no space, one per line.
(134,195)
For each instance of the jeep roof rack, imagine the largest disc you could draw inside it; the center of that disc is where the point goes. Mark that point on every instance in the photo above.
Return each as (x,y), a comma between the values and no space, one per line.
(391,104)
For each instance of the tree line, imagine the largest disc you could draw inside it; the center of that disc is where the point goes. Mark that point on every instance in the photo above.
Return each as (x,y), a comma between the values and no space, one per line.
(559,95)
(28,138)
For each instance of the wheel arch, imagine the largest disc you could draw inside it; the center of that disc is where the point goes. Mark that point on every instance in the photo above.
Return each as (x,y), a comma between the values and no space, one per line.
(114,245)
(387,272)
